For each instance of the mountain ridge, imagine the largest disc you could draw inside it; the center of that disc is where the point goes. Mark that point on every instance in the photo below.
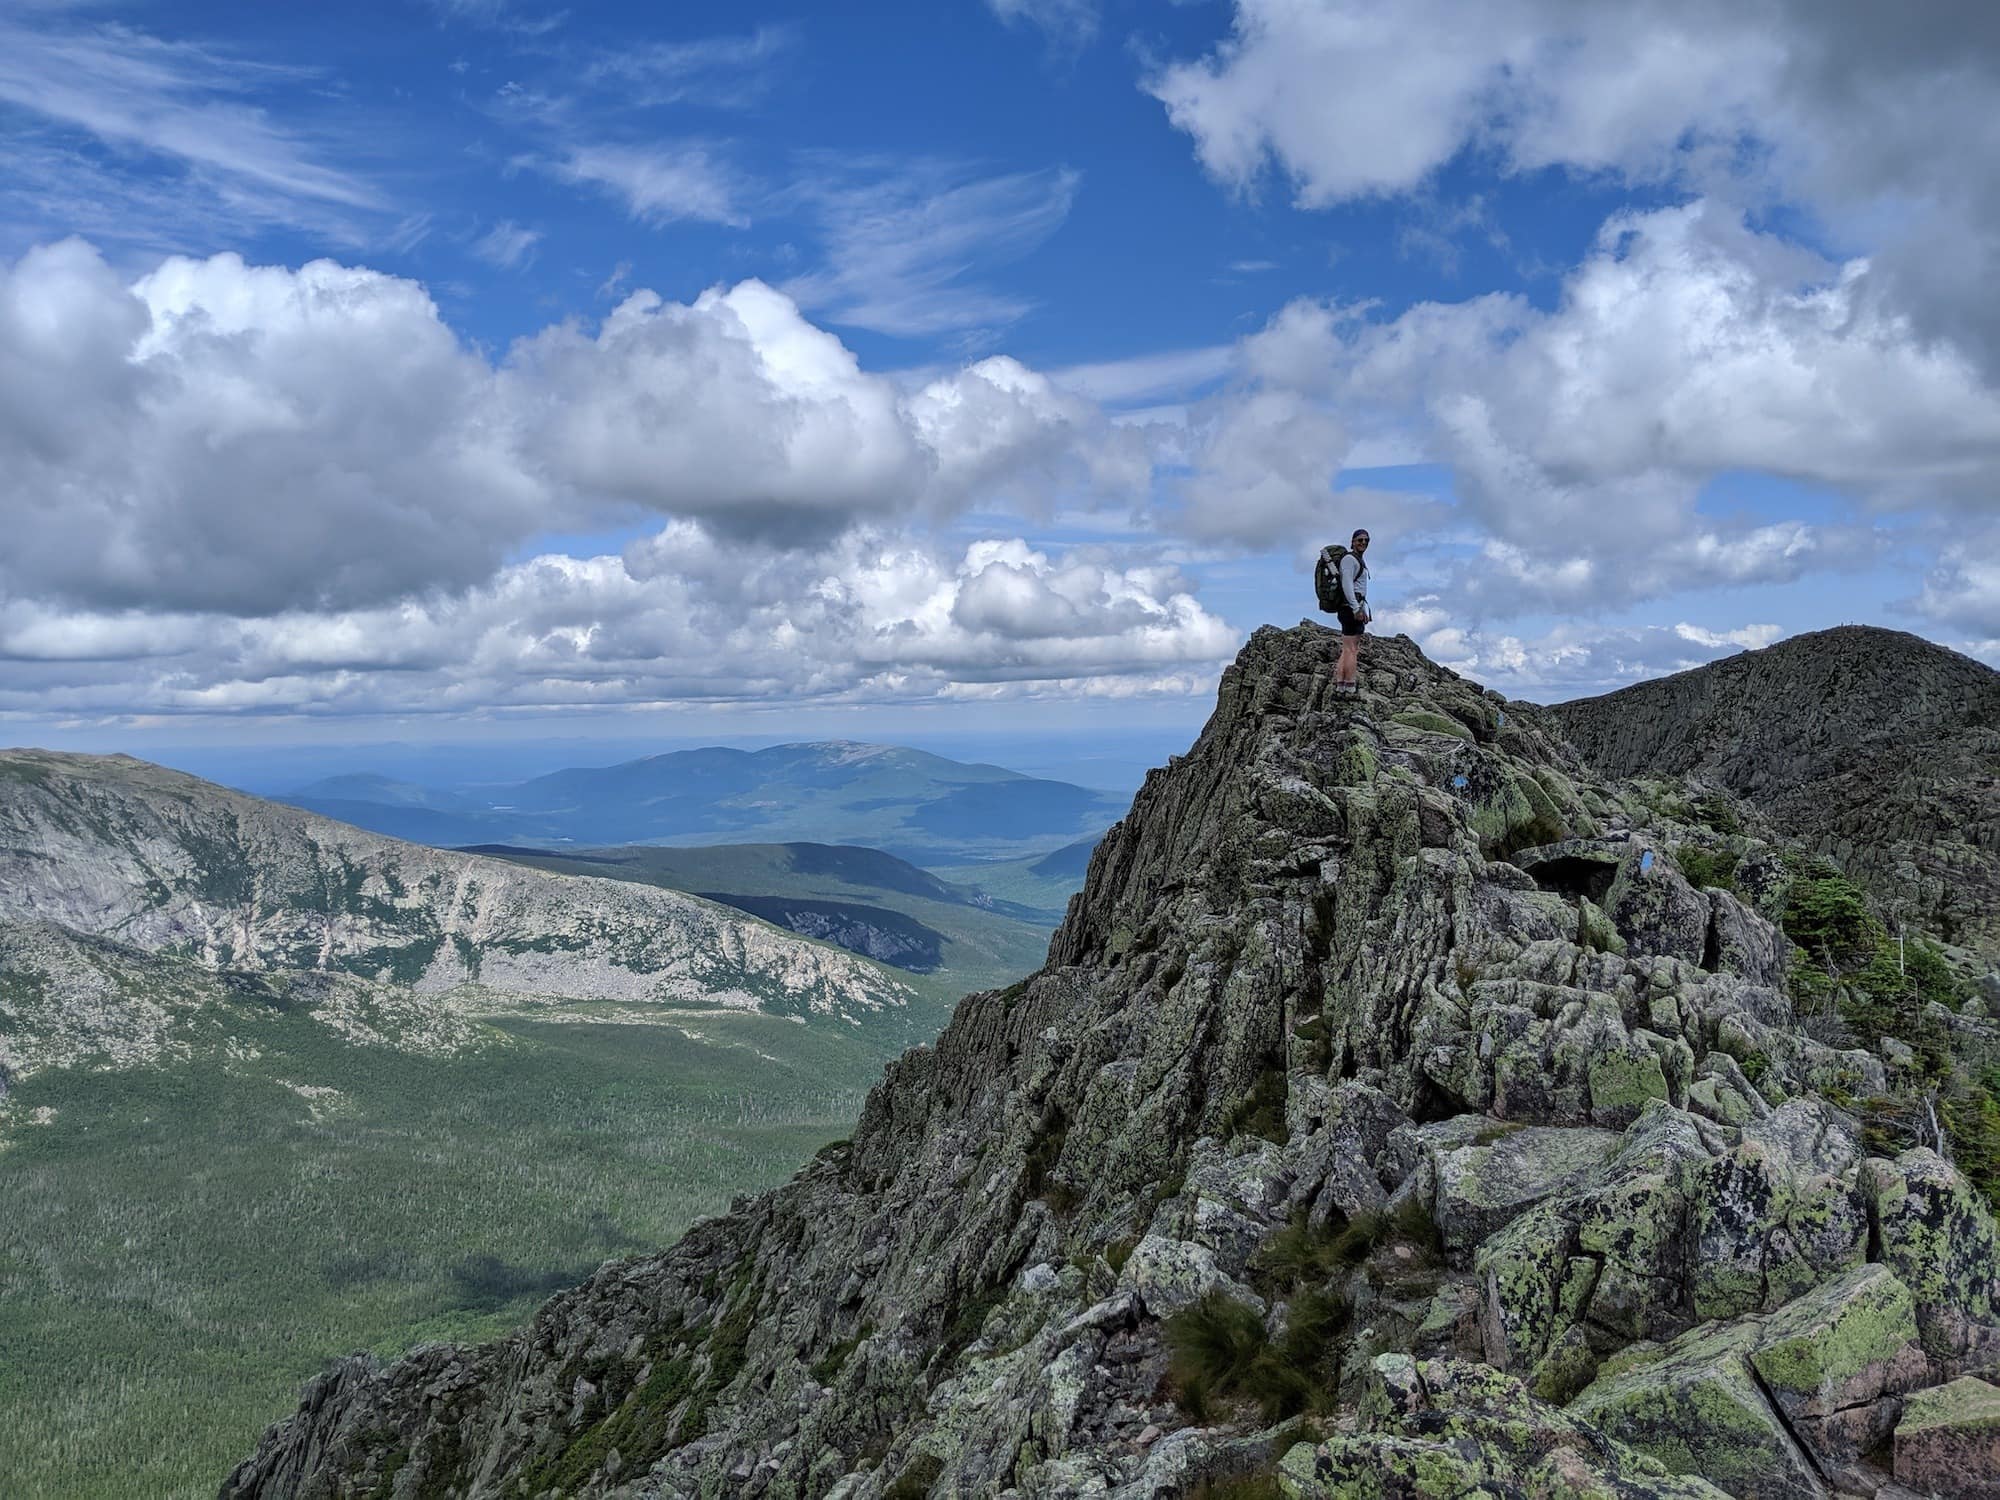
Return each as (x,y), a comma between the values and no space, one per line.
(1874,746)
(912,802)
(1385,1070)
(166,862)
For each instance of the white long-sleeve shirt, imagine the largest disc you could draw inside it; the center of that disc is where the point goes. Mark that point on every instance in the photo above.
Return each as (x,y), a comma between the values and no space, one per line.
(1354,583)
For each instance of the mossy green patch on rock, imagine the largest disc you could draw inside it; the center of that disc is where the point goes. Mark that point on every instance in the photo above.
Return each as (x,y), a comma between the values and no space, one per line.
(1434,723)
(1848,1341)
(1698,1410)
(1452,1428)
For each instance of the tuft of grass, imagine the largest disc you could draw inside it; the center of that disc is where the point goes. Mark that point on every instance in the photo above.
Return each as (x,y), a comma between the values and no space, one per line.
(1222,1351)
(1043,1154)
(1704,867)
(1262,1111)
(918,1478)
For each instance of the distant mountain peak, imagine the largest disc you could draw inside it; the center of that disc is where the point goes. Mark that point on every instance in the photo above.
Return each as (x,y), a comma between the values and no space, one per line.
(1870,744)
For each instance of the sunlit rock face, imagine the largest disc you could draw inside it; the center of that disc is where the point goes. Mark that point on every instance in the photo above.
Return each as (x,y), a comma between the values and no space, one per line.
(1393,1112)
(169,864)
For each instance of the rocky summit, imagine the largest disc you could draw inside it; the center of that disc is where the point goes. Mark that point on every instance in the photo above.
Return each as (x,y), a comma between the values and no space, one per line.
(1394,1117)
(1874,746)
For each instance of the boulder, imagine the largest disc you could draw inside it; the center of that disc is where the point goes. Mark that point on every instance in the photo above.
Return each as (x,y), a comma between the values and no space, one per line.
(1696,1407)
(1743,943)
(1940,1240)
(1948,1442)
(1340,1140)
(1656,911)
(1612,1250)
(1779,1213)
(1836,1359)
(1483,1188)
(1451,1428)
(1172,1275)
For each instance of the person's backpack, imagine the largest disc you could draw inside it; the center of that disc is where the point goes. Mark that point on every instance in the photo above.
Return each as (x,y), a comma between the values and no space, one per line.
(1326,577)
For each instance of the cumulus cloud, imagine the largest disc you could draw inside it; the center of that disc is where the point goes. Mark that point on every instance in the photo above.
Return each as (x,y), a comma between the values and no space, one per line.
(1572,660)
(680,617)
(232,439)
(1785,100)
(1686,346)
(733,407)
(220,436)
(1962,590)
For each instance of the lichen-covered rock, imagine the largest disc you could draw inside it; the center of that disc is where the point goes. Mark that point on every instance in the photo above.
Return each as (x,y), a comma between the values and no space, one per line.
(1613,1251)
(1170,1276)
(1948,1442)
(1483,1188)
(1696,1407)
(1941,1241)
(1779,1213)
(1449,1428)
(1341,1135)
(1744,943)
(1656,911)
(1835,1360)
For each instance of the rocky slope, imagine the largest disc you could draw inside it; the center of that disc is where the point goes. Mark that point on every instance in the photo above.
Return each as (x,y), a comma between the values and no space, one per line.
(1392,1118)
(167,863)
(1873,746)
(71,1001)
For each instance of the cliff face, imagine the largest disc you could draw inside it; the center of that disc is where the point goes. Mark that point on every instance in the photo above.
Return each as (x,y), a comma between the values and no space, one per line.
(1873,746)
(1382,1072)
(167,863)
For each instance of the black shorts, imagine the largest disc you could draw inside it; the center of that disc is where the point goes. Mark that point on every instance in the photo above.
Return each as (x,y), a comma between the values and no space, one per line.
(1350,622)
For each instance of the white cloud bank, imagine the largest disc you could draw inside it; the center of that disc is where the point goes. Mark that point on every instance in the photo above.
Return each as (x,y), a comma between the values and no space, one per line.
(238,488)
(1582,437)
(679,618)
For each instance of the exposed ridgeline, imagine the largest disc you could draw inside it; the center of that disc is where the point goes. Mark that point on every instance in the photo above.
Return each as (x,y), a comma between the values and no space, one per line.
(1314,1082)
(1876,747)
(167,863)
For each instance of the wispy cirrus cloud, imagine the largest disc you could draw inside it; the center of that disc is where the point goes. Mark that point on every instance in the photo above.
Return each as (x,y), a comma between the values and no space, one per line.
(722,72)
(93,98)
(659,183)
(507,245)
(905,240)
(1069,25)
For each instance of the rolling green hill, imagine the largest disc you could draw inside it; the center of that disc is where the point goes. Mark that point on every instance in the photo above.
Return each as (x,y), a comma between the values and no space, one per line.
(1038,886)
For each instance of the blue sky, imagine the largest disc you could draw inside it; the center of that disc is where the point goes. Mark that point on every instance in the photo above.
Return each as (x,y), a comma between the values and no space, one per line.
(446,368)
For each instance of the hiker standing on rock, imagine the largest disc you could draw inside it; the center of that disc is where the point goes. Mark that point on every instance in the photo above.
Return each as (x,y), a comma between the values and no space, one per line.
(1341,580)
